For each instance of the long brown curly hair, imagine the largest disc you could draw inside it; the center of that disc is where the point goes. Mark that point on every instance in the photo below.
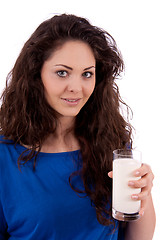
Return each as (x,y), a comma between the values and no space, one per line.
(27,118)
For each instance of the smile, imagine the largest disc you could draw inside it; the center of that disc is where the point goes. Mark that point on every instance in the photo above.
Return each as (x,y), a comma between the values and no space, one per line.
(71,101)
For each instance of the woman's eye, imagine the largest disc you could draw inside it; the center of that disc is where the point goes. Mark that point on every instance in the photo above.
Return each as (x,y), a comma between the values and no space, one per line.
(87,74)
(62,73)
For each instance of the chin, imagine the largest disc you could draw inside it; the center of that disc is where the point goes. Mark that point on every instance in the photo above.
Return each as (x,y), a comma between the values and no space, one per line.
(72,115)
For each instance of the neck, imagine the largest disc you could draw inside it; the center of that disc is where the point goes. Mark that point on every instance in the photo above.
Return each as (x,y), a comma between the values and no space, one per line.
(65,125)
(63,140)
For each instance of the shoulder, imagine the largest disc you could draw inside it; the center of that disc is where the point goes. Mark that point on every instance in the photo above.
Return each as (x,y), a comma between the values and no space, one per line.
(6,149)
(8,160)
(4,140)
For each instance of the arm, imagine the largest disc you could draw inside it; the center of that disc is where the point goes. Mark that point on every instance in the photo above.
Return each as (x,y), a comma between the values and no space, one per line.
(143,228)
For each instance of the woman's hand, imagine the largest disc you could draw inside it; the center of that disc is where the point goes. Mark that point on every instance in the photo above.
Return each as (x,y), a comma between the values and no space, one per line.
(145,183)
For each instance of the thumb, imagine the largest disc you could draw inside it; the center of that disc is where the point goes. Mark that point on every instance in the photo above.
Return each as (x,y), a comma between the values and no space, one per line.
(110,174)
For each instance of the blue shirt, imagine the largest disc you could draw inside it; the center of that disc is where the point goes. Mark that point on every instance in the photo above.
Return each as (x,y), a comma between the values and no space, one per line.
(40,204)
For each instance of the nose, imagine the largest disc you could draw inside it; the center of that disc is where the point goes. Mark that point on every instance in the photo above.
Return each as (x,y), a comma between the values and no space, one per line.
(75,84)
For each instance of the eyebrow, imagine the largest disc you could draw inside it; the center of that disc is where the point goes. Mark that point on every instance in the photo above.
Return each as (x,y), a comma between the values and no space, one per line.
(57,65)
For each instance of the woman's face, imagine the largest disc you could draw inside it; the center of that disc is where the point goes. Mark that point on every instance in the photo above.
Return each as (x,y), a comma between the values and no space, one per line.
(69,77)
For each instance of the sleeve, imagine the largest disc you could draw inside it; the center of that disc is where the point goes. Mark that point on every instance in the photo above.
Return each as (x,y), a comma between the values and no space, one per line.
(3,225)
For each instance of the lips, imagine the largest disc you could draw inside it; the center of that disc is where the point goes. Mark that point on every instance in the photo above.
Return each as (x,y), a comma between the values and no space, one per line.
(71,100)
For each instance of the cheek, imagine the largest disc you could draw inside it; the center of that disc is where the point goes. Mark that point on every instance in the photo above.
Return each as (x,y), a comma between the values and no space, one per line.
(91,87)
(89,90)
(53,88)
(47,96)
(49,92)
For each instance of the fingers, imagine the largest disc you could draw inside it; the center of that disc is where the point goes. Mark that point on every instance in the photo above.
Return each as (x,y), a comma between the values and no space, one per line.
(141,183)
(141,196)
(143,205)
(146,180)
(143,170)
(145,183)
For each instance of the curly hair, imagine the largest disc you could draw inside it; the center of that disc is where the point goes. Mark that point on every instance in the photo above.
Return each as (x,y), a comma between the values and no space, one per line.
(27,118)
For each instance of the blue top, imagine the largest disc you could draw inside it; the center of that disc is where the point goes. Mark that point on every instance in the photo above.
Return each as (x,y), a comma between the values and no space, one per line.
(40,204)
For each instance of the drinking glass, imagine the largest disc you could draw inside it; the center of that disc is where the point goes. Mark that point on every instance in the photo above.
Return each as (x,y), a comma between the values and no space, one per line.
(125,162)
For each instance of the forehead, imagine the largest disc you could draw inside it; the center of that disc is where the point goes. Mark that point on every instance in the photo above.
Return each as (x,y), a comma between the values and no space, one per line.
(72,52)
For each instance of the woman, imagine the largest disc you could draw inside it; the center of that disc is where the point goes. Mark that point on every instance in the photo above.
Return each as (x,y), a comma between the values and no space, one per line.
(60,123)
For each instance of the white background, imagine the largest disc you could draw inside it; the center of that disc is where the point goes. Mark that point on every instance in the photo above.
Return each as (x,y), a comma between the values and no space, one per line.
(135,25)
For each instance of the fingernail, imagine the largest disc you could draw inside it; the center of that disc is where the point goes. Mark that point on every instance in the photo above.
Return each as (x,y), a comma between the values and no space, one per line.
(141,213)
(131,183)
(135,197)
(137,173)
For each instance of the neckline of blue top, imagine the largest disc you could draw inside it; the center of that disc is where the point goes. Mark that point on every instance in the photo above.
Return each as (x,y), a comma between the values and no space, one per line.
(23,148)
(50,154)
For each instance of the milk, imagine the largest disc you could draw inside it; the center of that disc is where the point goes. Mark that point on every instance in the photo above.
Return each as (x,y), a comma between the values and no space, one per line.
(123,169)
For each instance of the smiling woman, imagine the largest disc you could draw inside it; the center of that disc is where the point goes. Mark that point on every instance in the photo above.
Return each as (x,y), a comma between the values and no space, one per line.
(69,85)
(59,124)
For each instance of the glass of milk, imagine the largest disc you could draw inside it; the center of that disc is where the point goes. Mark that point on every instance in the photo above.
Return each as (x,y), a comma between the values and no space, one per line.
(125,162)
